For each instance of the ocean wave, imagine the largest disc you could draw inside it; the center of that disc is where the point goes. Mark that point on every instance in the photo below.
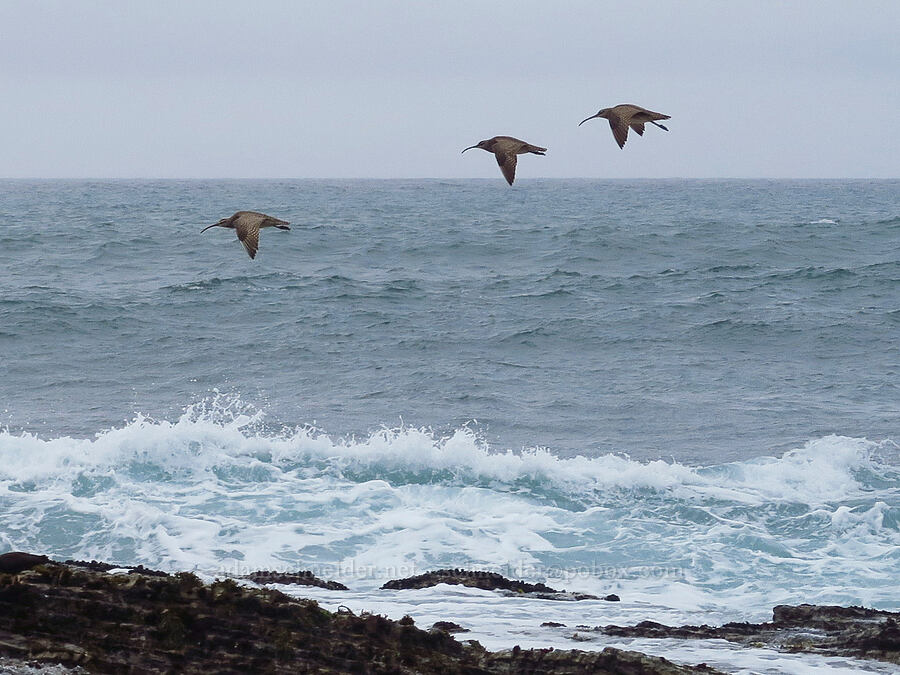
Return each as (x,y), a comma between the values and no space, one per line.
(224,430)
(220,488)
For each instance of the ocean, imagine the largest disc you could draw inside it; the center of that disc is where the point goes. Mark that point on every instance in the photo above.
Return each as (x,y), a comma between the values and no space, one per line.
(684,392)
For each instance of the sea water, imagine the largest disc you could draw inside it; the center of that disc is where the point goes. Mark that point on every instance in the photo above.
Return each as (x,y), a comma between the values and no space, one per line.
(682,392)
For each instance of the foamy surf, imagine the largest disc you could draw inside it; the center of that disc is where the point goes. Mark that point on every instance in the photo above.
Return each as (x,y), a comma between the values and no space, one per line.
(216,492)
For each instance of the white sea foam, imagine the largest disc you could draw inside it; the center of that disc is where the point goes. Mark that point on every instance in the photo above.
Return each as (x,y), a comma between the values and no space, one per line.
(215,492)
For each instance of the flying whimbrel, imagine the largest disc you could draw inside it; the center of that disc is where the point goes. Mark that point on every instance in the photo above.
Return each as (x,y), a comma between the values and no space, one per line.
(505,149)
(628,115)
(247,224)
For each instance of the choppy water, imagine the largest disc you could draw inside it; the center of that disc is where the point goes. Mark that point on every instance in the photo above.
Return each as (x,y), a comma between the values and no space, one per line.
(683,392)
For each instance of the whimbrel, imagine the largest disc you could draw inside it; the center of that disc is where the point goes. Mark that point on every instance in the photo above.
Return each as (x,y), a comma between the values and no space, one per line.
(247,224)
(628,115)
(505,149)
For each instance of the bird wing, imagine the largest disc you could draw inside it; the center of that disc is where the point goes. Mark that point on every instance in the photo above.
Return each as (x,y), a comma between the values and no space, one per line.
(507,162)
(275,222)
(249,237)
(644,115)
(619,129)
(638,128)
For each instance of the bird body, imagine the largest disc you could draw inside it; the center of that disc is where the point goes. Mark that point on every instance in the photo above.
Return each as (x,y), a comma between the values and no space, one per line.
(247,224)
(626,115)
(505,149)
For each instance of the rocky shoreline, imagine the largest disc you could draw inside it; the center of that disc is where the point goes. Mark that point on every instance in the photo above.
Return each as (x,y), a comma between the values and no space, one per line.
(102,618)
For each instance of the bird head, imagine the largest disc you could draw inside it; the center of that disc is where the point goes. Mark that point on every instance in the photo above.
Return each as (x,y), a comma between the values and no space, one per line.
(602,113)
(484,145)
(222,223)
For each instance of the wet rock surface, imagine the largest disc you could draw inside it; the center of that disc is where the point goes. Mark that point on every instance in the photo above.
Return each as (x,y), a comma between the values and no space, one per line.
(448,627)
(828,630)
(488,581)
(77,615)
(17,561)
(303,578)
(137,620)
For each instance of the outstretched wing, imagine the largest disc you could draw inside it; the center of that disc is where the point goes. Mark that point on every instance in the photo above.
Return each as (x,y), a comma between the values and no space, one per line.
(638,128)
(275,222)
(644,115)
(249,237)
(619,129)
(507,162)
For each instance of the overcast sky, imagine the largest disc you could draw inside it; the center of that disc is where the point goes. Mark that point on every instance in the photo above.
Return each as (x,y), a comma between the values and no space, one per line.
(390,89)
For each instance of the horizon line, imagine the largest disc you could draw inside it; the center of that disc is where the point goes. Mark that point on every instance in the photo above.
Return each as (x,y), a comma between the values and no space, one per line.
(434,178)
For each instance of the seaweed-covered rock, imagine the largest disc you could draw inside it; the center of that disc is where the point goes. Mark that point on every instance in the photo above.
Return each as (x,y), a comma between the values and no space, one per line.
(302,578)
(610,661)
(16,561)
(106,567)
(835,631)
(488,581)
(112,623)
(448,627)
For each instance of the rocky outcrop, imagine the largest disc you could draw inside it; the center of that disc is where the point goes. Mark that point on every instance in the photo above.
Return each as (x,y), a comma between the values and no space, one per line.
(834,631)
(488,581)
(610,661)
(17,561)
(303,578)
(138,623)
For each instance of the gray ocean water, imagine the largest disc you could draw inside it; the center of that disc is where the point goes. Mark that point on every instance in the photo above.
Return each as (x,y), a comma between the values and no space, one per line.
(681,392)
(695,320)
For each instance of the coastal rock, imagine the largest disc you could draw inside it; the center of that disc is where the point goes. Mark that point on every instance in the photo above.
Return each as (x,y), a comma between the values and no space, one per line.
(78,616)
(855,632)
(448,627)
(488,581)
(106,567)
(610,661)
(302,578)
(16,561)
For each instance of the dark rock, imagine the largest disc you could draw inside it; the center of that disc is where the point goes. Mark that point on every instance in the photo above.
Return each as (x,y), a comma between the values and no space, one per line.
(610,661)
(552,624)
(106,567)
(79,616)
(303,578)
(824,615)
(449,627)
(489,581)
(92,565)
(558,595)
(855,632)
(16,561)
(612,597)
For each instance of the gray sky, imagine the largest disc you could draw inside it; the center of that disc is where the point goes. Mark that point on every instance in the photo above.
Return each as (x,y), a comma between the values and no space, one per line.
(391,89)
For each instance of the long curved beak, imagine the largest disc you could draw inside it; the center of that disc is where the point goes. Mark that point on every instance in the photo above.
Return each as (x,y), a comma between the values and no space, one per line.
(207,227)
(469,148)
(587,118)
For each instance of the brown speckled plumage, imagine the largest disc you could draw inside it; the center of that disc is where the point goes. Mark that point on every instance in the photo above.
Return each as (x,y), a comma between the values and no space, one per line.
(505,149)
(626,115)
(247,225)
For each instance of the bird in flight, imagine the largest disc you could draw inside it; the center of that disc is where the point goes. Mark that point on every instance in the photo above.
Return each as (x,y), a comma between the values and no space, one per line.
(505,149)
(628,115)
(247,224)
